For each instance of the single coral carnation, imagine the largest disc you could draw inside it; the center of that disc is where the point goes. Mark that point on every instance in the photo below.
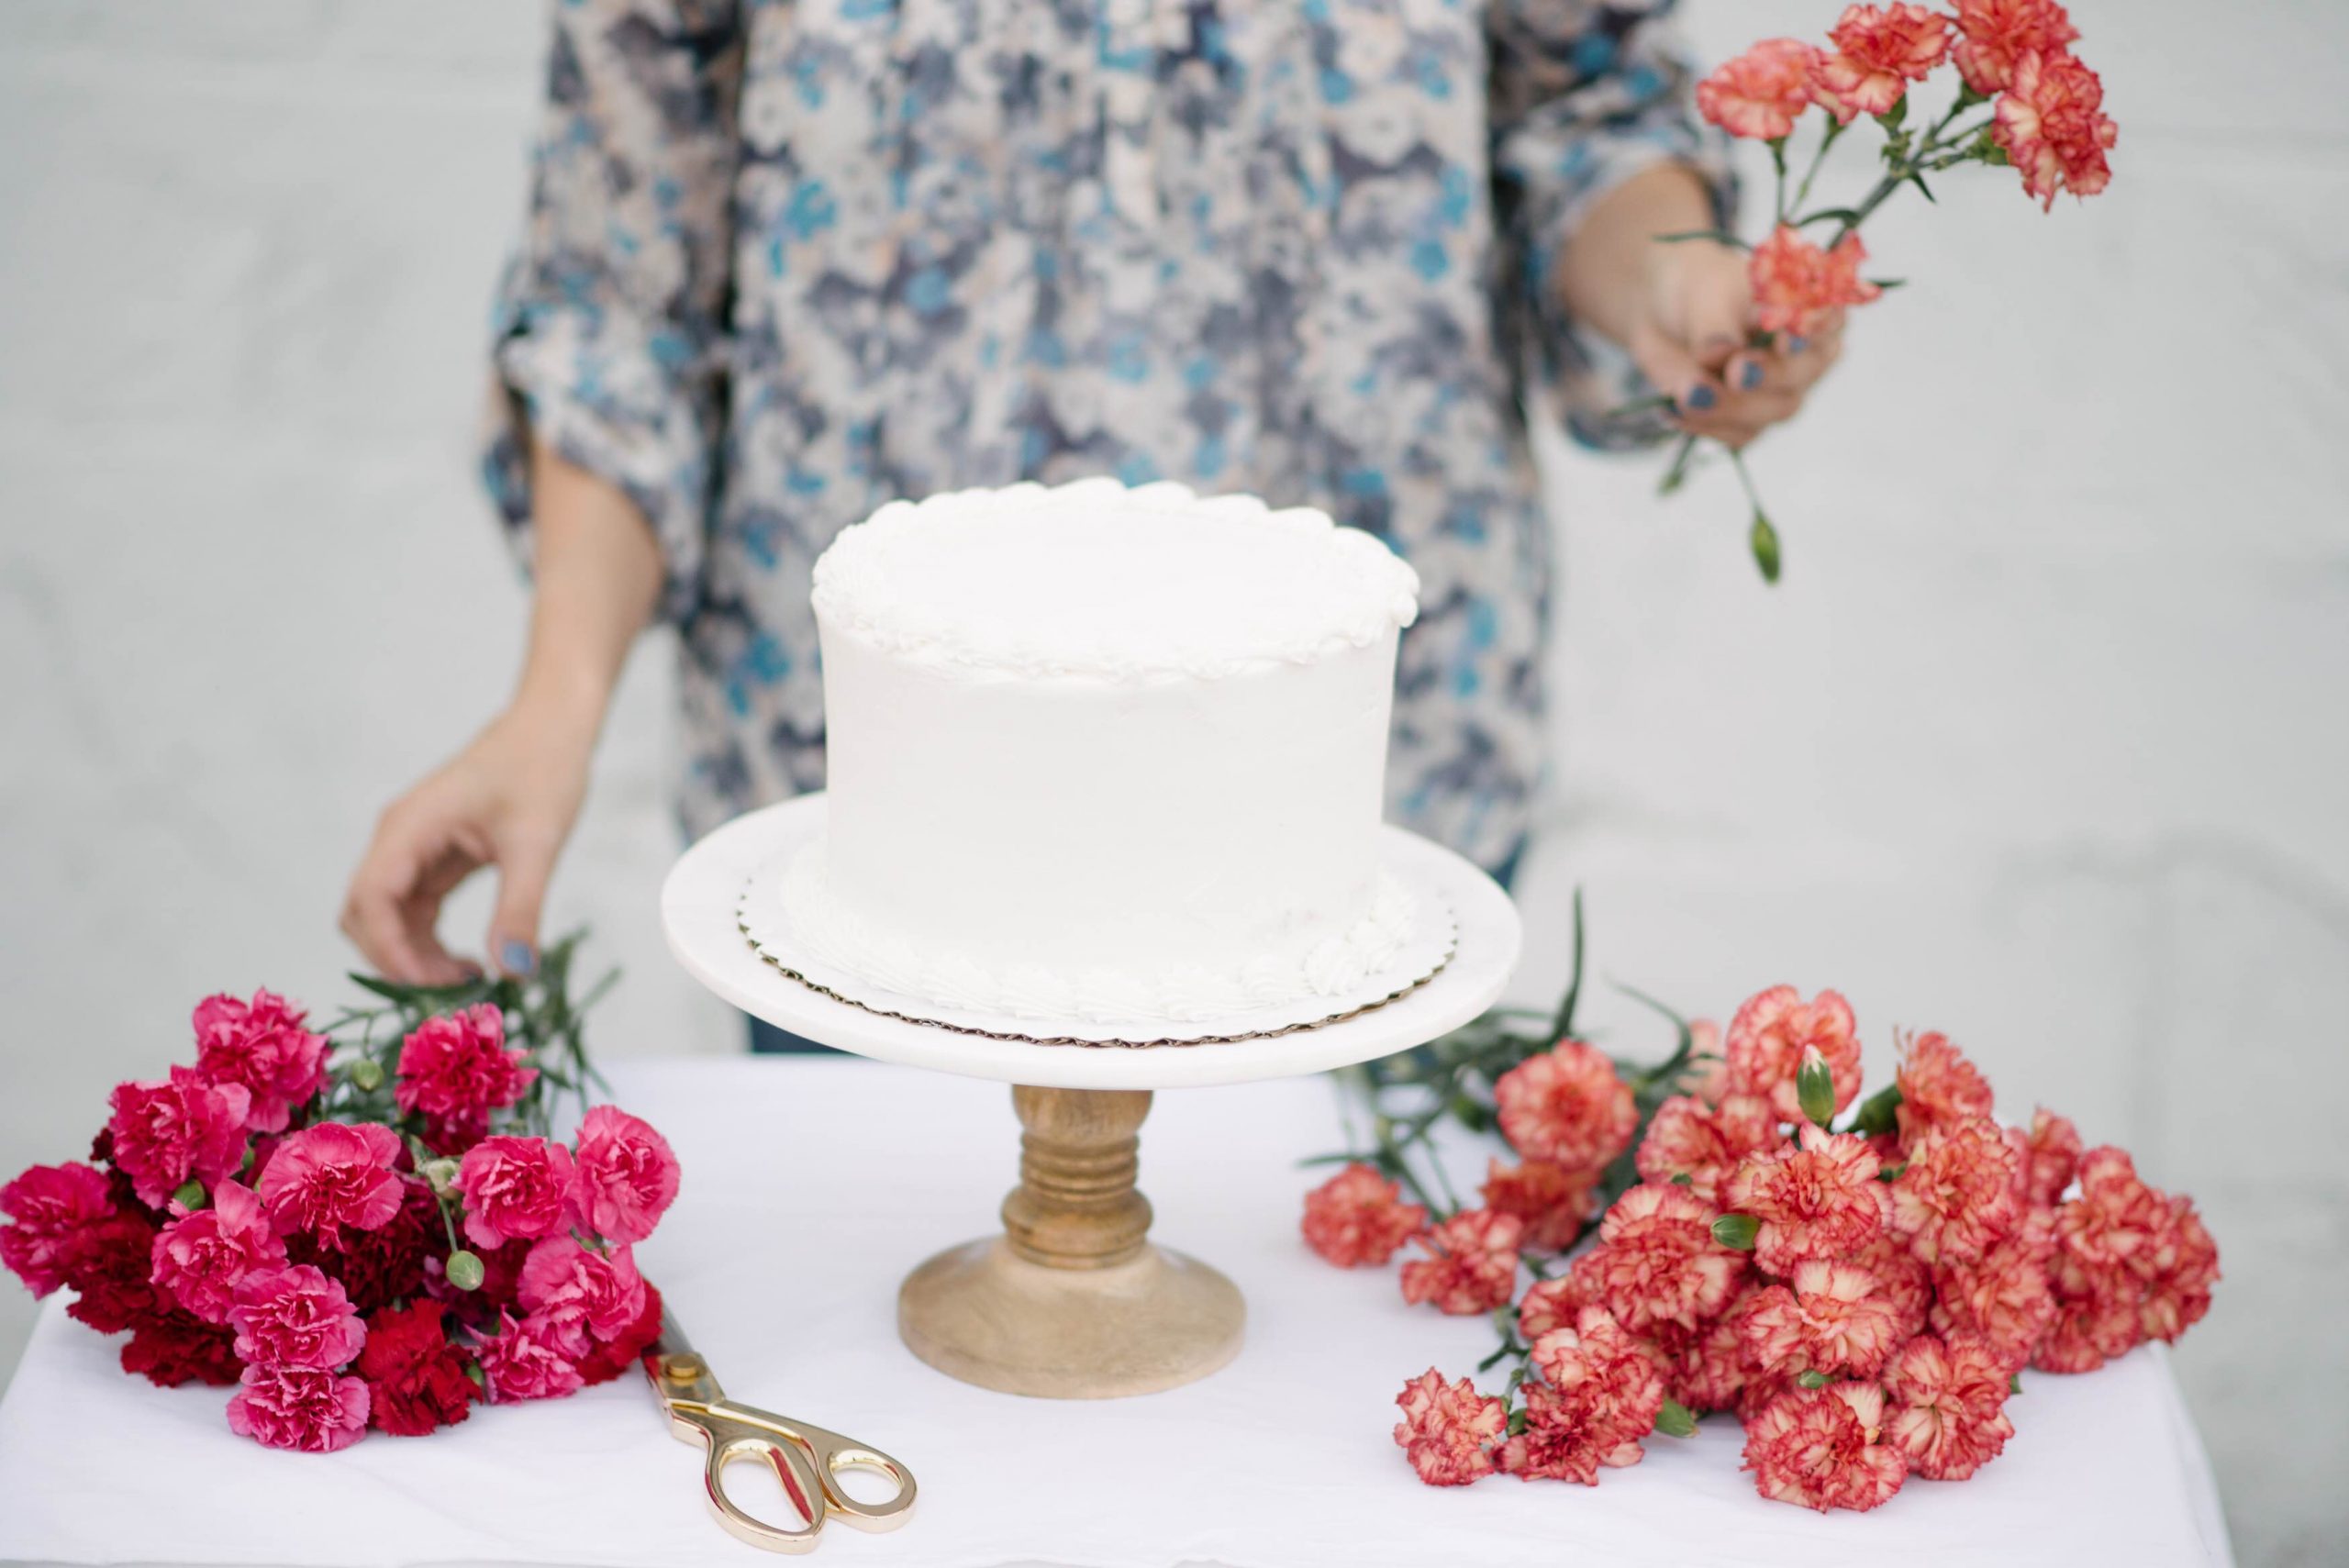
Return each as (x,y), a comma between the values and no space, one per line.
(2052,125)
(1830,1317)
(1762,92)
(1554,1202)
(2003,1296)
(1817,1198)
(1994,34)
(2052,1157)
(1706,1143)
(1447,1429)
(1821,1448)
(1771,1031)
(1599,1395)
(1358,1217)
(1880,50)
(1474,1263)
(1948,1398)
(1956,1194)
(1938,1086)
(1568,1107)
(1656,1262)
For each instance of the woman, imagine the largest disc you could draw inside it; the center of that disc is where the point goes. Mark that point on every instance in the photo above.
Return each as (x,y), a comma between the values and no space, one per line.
(788,261)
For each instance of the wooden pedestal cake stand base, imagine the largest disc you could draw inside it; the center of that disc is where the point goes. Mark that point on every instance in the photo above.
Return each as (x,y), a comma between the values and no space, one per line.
(1072,1301)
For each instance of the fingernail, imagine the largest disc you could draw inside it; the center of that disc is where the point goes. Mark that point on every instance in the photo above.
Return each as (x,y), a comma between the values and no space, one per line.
(1699,397)
(516,957)
(1798,343)
(1750,376)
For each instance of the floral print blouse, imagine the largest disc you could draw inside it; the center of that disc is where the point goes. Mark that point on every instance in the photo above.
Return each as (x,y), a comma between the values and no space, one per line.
(785,261)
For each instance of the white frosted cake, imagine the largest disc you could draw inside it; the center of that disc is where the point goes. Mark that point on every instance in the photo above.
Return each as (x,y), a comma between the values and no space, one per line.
(1101,752)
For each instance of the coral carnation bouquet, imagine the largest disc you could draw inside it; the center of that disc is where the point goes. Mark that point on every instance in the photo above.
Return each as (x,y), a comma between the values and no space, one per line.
(1860,1281)
(369,1223)
(2022,100)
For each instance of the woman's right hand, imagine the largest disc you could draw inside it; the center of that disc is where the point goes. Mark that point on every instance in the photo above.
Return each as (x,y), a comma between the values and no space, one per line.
(509,799)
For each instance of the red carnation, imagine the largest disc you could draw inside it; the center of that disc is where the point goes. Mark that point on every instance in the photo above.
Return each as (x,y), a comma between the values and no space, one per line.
(1358,1217)
(1772,1030)
(1554,1202)
(179,1130)
(455,1070)
(111,1272)
(260,1046)
(1448,1429)
(1948,1397)
(1657,1265)
(51,1205)
(1472,1265)
(1822,1448)
(389,1265)
(1880,50)
(1705,1143)
(524,1361)
(416,1377)
(605,1360)
(2052,125)
(176,1348)
(1994,34)
(1566,1105)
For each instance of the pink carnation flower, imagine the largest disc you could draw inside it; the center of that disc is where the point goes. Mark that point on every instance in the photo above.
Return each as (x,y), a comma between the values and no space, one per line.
(336,1174)
(455,1070)
(1706,1143)
(1830,1317)
(201,1258)
(1948,1401)
(1956,1195)
(580,1294)
(514,1188)
(1706,1370)
(1358,1217)
(1557,1302)
(1447,1429)
(1566,1105)
(51,1205)
(299,1407)
(1599,1396)
(2052,1157)
(2052,124)
(295,1317)
(1901,1278)
(2003,1297)
(1762,92)
(625,1176)
(1796,287)
(1816,1199)
(1822,1448)
(1473,1263)
(262,1046)
(1880,50)
(1554,1202)
(526,1360)
(1939,1087)
(1771,1031)
(183,1129)
(1994,34)
(1657,1265)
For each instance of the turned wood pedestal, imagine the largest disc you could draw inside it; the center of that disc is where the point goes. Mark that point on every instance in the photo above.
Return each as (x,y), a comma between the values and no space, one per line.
(1073,1301)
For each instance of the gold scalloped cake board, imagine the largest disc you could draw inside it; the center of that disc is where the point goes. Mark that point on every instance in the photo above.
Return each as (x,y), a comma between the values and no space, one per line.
(783,969)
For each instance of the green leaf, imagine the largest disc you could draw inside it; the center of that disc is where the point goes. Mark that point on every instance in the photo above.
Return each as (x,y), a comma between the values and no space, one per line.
(1875,1115)
(1675,1420)
(1763,540)
(2014,1383)
(1736,1232)
(1815,1088)
(1833,214)
(1562,1026)
(1811,1380)
(1919,180)
(1718,236)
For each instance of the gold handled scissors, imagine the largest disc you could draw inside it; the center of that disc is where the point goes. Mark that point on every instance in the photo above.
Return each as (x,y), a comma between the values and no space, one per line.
(808,1460)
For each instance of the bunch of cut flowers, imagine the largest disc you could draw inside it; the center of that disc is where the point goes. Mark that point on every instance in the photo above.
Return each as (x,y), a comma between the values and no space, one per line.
(1860,1282)
(365,1224)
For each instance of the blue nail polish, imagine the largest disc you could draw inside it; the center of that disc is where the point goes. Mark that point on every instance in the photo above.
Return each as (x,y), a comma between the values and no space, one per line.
(1699,397)
(1750,376)
(1798,343)
(516,957)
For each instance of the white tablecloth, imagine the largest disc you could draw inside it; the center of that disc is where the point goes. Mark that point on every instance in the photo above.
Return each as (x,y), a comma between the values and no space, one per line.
(812,1186)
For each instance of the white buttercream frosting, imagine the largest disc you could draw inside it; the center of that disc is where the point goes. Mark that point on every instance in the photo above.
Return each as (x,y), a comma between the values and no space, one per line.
(1110,583)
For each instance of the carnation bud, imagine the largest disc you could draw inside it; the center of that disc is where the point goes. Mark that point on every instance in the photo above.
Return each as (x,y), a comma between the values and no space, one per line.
(190,1195)
(465,1270)
(1763,541)
(440,1175)
(1815,1086)
(1736,1232)
(367,1073)
(1675,1420)
(1811,1379)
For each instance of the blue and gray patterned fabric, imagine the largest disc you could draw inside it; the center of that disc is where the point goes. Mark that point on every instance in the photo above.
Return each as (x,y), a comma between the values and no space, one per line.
(787,262)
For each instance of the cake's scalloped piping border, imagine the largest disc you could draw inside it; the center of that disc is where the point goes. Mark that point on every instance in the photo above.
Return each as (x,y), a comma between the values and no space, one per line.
(787,971)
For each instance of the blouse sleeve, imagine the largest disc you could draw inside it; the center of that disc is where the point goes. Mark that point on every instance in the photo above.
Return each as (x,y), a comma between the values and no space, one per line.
(1582,96)
(610,320)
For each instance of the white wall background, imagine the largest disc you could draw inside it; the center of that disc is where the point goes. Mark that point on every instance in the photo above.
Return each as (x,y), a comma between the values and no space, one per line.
(2041,742)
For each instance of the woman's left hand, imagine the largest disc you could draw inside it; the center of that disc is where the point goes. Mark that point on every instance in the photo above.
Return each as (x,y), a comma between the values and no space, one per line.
(1690,338)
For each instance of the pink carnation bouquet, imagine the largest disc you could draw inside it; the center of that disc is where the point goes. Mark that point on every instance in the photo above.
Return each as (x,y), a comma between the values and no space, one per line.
(367,1224)
(1860,1282)
(2022,100)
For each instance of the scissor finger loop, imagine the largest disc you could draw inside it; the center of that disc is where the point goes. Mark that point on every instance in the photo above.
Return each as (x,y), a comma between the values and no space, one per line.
(834,1453)
(729,1443)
